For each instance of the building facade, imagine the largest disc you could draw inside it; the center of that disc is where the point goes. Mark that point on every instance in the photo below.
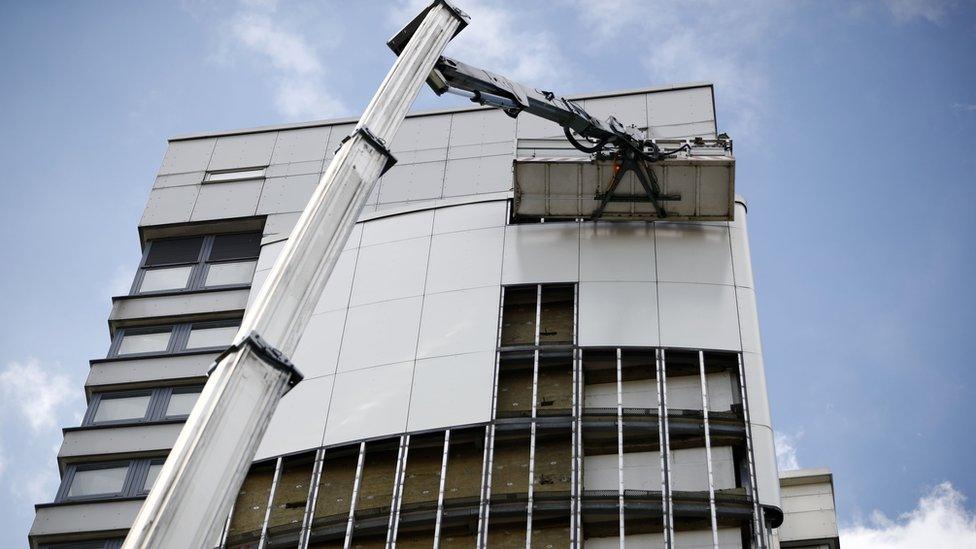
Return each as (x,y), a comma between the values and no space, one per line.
(472,378)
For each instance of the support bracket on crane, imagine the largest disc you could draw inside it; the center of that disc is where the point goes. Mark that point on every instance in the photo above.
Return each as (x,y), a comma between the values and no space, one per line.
(374,142)
(268,353)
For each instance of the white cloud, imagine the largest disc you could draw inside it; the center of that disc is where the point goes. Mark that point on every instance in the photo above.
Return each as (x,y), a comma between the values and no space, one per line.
(720,42)
(786,458)
(964,107)
(293,63)
(502,39)
(35,399)
(939,520)
(906,11)
(37,392)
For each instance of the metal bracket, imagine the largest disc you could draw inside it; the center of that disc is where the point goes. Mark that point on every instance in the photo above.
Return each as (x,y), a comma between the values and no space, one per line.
(400,39)
(266,352)
(647,179)
(374,142)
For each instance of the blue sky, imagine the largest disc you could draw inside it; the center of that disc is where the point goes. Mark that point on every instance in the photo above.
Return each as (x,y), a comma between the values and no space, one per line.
(853,122)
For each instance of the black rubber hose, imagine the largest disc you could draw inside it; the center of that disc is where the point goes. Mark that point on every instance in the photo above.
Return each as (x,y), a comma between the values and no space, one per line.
(579,146)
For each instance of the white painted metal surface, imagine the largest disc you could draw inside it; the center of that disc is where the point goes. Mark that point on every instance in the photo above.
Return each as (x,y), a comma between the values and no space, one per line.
(194,491)
(555,181)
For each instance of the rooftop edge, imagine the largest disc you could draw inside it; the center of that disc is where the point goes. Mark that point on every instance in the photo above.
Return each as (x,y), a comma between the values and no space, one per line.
(430,112)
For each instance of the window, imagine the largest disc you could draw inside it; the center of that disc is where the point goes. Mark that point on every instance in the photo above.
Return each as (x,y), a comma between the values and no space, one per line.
(137,341)
(108,480)
(198,262)
(224,176)
(177,338)
(181,402)
(153,472)
(98,481)
(127,407)
(99,544)
(203,336)
(122,407)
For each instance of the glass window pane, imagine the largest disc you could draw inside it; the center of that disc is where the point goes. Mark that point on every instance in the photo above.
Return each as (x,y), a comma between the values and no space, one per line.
(92,482)
(181,404)
(154,469)
(114,409)
(236,246)
(236,175)
(211,337)
(222,274)
(169,278)
(174,250)
(155,342)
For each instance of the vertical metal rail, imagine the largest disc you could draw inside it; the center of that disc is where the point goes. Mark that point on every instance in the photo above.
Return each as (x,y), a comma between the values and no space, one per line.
(577,470)
(708,449)
(621,515)
(758,522)
(530,500)
(440,489)
(313,497)
(486,463)
(532,441)
(263,541)
(398,480)
(665,449)
(354,499)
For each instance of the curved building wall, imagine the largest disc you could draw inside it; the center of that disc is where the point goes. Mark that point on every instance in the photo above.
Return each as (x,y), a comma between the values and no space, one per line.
(408,343)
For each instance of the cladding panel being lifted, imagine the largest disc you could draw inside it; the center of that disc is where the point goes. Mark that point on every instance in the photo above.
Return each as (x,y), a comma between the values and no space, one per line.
(555,181)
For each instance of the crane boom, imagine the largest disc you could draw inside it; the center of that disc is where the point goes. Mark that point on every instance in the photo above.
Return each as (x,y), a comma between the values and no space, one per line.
(194,491)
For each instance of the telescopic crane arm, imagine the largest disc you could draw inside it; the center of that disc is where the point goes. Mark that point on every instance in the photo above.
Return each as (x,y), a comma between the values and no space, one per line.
(627,145)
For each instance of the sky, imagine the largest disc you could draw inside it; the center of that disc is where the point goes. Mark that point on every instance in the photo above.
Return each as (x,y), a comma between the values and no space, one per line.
(853,125)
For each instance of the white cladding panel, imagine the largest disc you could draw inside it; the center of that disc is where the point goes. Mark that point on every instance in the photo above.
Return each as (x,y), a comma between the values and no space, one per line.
(459,383)
(188,156)
(243,151)
(301,145)
(618,314)
(457,322)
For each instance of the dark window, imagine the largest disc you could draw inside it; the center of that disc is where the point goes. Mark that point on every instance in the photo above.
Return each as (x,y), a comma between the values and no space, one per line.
(173,251)
(235,246)
(198,262)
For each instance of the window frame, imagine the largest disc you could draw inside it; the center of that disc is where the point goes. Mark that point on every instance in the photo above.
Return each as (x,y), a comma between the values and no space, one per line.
(245,174)
(178,339)
(98,398)
(137,471)
(120,334)
(73,470)
(165,400)
(197,279)
(203,325)
(142,491)
(159,398)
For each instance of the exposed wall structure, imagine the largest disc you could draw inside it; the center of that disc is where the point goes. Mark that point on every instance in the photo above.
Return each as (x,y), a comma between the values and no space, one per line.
(468,379)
